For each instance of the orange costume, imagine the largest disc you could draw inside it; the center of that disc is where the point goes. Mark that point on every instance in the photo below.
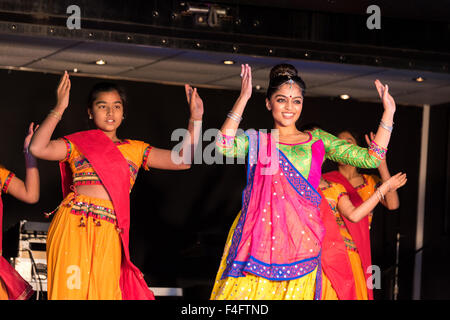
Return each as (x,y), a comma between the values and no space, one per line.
(84,249)
(333,193)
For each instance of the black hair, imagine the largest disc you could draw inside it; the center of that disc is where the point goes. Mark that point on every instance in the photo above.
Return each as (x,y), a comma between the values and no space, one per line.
(282,73)
(105,87)
(354,133)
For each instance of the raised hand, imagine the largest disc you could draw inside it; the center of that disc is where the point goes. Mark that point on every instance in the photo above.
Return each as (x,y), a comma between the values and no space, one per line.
(386,98)
(194,101)
(246,82)
(31,131)
(396,181)
(63,92)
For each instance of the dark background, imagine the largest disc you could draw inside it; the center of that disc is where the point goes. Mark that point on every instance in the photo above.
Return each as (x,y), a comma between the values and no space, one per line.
(180,220)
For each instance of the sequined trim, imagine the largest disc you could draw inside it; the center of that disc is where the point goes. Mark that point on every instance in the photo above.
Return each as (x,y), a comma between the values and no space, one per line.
(7,182)
(82,178)
(364,184)
(92,210)
(341,195)
(145,158)
(377,151)
(119,143)
(69,148)
(298,182)
(277,272)
(225,141)
(350,244)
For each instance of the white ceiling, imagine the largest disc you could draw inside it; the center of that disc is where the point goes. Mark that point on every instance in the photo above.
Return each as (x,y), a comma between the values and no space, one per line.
(205,69)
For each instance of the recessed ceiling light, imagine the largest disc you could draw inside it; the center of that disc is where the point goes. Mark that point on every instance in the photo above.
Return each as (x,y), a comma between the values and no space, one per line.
(419,79)
(258,87)
(228,62)
(100,62)
(76,70)
(344,96)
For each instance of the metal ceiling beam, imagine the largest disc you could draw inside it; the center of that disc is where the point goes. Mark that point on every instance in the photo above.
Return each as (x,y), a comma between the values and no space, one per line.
(244,29)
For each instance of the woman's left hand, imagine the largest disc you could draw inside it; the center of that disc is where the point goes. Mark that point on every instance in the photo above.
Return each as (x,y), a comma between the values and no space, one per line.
(386,98)
(195,102)
(31,131)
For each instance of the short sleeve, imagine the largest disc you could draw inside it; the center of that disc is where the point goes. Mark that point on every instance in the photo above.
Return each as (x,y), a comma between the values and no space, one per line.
(145,155)
(340,191)
(69,149)
(5,179)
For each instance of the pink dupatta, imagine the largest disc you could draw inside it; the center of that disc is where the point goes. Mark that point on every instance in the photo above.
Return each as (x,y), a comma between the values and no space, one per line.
(279,232)
(112,169)
(360,230)
(17,287)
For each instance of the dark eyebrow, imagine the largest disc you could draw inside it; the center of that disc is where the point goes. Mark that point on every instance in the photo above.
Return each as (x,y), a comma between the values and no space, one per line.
(101,101)
(281,95)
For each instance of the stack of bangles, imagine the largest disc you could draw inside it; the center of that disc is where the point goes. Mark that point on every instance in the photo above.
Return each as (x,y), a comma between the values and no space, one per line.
(385,126)
(55,114)
(234,116)
(380,194)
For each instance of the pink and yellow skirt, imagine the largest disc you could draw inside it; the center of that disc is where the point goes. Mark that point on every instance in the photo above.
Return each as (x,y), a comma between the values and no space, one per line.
(252,287)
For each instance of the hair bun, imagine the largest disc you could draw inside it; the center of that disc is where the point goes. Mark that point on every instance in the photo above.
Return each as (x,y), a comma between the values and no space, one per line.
(283,69)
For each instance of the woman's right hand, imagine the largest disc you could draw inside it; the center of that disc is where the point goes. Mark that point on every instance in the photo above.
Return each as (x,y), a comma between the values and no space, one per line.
(246,81)
(63,92)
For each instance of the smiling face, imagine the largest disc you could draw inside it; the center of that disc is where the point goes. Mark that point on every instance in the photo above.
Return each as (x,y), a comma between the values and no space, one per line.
(286,105)
(107,111)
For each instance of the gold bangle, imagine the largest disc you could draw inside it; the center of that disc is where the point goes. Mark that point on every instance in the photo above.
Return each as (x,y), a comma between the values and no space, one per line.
(55,114)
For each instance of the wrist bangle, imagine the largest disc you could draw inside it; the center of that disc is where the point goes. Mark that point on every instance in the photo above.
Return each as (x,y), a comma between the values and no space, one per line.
(55,114)
(234,116)
(385,126)
(379,194)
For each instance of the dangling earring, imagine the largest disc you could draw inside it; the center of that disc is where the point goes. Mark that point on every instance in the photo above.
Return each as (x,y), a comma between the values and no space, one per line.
(90,117)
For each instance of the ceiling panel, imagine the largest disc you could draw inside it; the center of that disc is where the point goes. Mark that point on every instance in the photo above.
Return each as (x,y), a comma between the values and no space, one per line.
(202,68)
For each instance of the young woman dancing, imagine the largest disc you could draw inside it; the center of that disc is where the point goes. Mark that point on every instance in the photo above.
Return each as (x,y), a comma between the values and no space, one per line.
(87,246)
(12,285)
(274,247)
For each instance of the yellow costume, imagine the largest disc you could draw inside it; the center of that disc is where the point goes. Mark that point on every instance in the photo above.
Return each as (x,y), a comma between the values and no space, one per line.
(83,247)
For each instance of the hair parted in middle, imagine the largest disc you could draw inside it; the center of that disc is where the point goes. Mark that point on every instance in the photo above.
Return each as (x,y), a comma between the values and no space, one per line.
(282,73)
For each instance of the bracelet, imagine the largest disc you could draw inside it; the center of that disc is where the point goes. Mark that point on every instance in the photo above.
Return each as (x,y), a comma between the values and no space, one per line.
(380,195)
(234,116)
(385,126)
(193,120)
(377,151)
(55,114)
